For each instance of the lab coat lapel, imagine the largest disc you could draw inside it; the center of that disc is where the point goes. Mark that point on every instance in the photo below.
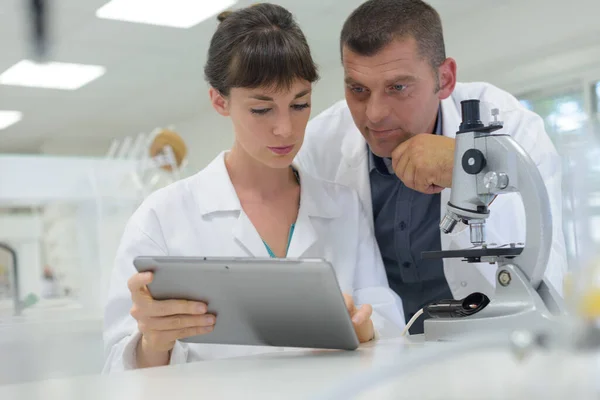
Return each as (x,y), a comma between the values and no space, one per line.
(304,236)
(354,169)
(247,236)
(223,199)
(315,204)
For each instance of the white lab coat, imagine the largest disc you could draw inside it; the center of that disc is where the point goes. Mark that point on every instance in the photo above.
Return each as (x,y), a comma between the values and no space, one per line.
(202,216)
(335,150)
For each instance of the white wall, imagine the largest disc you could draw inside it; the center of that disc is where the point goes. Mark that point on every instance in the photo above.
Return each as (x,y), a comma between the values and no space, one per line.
(527,45)
(92,147)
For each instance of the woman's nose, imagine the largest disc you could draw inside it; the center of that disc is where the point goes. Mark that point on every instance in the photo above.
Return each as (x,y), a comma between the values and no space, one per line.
(283,126)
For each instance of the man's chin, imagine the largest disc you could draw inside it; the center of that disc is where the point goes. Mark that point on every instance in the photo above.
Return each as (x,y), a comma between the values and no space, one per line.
(382,153)
(385,149)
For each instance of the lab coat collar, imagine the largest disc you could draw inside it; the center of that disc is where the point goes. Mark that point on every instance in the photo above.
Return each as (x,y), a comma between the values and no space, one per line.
(214,192)
(450,118)
(354,146)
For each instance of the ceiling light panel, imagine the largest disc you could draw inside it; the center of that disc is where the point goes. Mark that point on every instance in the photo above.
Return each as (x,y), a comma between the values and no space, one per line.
(170,13)
(51,75)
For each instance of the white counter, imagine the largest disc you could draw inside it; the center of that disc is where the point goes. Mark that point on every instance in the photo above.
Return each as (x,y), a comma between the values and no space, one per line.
(47,342)
(490,374)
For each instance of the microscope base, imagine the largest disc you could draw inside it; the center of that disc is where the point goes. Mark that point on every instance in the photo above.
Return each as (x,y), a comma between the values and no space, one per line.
(516,306)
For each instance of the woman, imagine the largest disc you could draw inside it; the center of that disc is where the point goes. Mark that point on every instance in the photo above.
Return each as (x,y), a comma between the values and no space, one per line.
(248,202)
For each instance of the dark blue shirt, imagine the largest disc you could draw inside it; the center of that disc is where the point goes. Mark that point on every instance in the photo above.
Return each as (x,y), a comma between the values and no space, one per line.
(406,224)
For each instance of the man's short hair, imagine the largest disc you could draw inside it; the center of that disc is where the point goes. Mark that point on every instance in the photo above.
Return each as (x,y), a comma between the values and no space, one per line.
(376,23)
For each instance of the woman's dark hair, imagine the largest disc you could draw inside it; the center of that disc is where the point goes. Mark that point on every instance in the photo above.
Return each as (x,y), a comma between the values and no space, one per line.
(257,46)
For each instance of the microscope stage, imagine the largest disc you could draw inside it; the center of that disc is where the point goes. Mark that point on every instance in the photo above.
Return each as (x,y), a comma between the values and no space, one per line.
(474,255)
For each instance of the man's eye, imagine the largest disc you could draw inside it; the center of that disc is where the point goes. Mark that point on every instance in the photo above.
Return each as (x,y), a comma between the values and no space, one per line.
(399,88)
(356,89)
(260,111)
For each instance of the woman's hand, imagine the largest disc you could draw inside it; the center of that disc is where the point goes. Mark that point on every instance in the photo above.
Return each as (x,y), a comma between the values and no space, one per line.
(361,319)
(162,322)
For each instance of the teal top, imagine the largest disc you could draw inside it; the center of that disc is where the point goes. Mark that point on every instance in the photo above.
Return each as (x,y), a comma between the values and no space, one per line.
(291,233)
(288,244)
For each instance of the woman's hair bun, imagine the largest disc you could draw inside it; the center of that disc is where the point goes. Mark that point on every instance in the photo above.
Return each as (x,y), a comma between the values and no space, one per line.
(221,17)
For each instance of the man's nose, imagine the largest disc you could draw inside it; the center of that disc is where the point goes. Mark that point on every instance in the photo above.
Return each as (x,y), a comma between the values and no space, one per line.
(377,109)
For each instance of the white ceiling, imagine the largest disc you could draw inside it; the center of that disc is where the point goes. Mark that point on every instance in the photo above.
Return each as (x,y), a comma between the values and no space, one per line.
(154,75)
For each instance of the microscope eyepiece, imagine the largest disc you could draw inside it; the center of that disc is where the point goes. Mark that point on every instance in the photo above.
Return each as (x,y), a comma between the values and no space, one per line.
(471,118)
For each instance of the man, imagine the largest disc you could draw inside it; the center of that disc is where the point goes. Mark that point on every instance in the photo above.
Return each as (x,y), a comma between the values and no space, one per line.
(392,140)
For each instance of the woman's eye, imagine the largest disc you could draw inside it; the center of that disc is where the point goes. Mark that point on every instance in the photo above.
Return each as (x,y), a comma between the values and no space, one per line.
(300,107)
(260,111)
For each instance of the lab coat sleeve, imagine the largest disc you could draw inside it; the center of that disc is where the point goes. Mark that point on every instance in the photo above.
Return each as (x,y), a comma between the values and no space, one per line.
(121,334)
(528,130)
(371,285)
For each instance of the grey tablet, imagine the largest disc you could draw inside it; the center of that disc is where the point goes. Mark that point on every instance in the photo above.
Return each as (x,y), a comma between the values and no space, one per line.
(268,302)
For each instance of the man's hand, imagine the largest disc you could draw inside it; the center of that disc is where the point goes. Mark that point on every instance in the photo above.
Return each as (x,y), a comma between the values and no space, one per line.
(424,162)
(163,322)
(361,319)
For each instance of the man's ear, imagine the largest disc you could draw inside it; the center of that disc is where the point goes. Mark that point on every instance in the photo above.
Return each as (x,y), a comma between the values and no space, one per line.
(219,102)
(447,78)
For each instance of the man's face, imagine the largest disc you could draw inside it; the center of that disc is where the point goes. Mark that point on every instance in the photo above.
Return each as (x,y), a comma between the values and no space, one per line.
(394,94)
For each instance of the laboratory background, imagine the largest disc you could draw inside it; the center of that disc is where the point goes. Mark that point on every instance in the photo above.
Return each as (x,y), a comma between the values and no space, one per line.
(113,105)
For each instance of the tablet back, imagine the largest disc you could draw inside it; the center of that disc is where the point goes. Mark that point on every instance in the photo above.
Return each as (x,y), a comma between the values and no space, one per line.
(268,302)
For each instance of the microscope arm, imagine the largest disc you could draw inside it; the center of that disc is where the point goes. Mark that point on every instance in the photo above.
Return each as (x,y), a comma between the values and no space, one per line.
(485,166)
(504,156)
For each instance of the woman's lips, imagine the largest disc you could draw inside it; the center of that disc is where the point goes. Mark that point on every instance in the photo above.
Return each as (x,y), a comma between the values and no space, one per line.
(281,150)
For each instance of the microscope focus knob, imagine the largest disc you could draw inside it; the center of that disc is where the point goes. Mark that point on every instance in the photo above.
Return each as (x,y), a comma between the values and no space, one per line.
(473,161)
(495,180)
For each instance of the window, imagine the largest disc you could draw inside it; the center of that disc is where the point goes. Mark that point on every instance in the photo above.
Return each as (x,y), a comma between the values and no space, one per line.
(597,98)
(571,121)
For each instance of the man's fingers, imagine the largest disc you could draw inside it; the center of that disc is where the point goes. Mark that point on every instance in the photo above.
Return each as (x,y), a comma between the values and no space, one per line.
(400,164)
(398,152)
(434,189)
(408,172)
(163,308)
(422,183)
(177,322)
(362,315)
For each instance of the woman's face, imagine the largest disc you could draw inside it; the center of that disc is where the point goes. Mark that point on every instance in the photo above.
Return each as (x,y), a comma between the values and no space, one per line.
(269,124)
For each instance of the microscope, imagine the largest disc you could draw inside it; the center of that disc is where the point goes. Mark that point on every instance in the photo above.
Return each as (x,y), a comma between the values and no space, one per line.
(487,165)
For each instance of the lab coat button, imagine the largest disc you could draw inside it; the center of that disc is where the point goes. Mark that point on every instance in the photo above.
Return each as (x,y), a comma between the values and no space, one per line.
(463,284)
